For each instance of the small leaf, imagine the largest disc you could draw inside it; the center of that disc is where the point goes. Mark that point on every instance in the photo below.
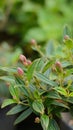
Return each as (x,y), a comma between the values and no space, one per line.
(23,116)
(53,94)
(9,70)
(14,91)
(47,65)
(44,79)
(31,70)
(36,94)
(66,31)
(38,106)
(24,90)
(71,88)
(8,102)
(61,91)
(68,99)
(32,88)
(53,125)
(59,103)
(50,49)
(48,102)
(66,64)
(45,122)
(40,64)
(16,109)
(71,94)
(7,78)
(19,80)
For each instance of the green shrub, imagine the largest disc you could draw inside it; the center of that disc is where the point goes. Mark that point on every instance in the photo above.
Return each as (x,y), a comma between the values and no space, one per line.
(44,86)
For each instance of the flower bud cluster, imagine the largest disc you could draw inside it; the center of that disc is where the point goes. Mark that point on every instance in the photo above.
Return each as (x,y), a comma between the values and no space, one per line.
(24,60)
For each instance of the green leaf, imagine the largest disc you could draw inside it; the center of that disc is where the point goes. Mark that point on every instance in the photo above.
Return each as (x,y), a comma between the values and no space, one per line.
(8,102)
(66,64)
(32,88)
(53,94)
(70,99)
(24,90)
(58,103)
(35,66)
(66,31)
(53,125)
(19,80)
(40,64)
(44,122)
(7,78)
(71,88)
(16,109)
(38,106)
(31,70)
(36,94)
(61,91)
(50,49)
(47,65)
(14,91)
(44,79)
(71,94)
(23,116)
(9,70)
(48,102)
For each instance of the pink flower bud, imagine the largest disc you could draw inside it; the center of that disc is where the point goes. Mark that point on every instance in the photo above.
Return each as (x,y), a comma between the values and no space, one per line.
(20,71)
(66,37)
(33,42)
(58,64)
(22,58)
(25,63)
(29,62)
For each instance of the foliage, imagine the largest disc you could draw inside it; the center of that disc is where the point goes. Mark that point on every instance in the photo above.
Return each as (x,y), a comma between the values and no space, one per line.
(27,19)
(8,57)
(45,86)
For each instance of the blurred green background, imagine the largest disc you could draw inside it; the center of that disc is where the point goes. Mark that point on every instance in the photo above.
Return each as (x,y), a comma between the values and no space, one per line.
(23,20)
